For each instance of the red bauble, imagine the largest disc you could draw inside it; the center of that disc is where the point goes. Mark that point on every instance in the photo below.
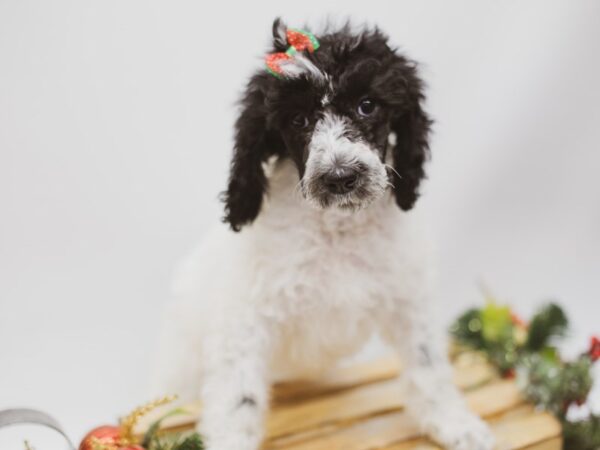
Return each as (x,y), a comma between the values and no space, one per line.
(108,435)
(594,350)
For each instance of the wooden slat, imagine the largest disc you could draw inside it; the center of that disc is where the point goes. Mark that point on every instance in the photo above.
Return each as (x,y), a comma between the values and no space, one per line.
(537,431)
(525,432)
(337,380)
(471,368)
(361,408)
(336,409)
(369,434)
(346,394)
(551,444)
(373,400)
(398,432)
(329,415)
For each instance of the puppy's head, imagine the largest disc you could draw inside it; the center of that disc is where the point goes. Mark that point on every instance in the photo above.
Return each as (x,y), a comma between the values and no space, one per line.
(341,113)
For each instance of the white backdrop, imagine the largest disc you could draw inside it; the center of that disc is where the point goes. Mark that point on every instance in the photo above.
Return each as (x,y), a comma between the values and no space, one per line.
(115,135)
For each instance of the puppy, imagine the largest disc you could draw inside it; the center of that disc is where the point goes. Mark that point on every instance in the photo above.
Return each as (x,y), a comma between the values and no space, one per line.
(324,248)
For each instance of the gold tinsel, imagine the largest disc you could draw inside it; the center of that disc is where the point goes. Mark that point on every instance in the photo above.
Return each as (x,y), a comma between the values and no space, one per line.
(129,422)
(97,444)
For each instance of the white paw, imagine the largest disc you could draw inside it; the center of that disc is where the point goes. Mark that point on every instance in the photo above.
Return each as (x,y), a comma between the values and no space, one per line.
(232,443)
(462,432)
(240,439)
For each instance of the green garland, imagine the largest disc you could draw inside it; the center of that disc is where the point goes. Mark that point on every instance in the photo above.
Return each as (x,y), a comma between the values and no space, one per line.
(154,439)
(529,353)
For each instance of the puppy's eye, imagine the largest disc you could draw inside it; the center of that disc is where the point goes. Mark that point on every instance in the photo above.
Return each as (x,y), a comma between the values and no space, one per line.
(300,121)
(366,107)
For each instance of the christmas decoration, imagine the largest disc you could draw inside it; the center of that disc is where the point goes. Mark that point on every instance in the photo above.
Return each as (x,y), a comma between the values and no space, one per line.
(582,435)
(153,440)
(524,350)
(594,350)
(528,352)
(122,437)
(177,441)
(106,437)
(299,41)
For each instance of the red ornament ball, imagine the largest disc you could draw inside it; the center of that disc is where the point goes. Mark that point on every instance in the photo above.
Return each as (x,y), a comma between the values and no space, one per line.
(108,435)
(594,350)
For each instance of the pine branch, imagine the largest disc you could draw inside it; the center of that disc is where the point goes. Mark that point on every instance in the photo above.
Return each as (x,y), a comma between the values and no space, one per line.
(583,434)
(176,441)
(551,322)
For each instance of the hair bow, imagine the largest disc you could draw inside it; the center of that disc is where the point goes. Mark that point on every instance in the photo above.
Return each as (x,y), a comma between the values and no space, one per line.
(298,40)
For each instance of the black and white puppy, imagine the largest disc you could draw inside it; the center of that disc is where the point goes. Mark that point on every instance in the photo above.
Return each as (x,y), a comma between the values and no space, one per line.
(324,248)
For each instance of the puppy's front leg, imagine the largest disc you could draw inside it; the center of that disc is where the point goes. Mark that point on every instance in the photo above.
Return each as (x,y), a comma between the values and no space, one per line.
(432,399)
(236,383)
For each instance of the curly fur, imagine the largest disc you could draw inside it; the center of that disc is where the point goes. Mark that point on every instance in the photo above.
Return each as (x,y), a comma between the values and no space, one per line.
(312,273)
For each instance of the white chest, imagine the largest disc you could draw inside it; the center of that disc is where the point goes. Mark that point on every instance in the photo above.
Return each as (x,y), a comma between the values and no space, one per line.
(323,275)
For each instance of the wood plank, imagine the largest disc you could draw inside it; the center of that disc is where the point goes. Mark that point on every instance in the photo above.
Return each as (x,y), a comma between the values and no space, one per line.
(470,368)
(525,432)
(335,393)
(376,399)
(367,434)
(538,431)
(337,380)
(550,444)
(323,416)
(360,407)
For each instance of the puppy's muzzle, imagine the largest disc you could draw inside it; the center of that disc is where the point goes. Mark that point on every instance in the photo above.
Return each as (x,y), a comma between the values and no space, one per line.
(341,180)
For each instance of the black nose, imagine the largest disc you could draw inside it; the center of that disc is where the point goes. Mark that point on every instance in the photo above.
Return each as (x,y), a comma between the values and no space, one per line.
(341,180)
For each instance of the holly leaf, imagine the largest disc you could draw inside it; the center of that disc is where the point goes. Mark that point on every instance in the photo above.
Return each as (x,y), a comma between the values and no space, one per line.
(549,323)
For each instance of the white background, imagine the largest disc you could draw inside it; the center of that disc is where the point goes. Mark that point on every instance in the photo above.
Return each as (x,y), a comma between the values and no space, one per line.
(115,135)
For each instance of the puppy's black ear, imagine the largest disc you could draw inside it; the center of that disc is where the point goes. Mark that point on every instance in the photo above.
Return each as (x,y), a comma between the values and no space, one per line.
(411,125)
(280,35)
(254,144)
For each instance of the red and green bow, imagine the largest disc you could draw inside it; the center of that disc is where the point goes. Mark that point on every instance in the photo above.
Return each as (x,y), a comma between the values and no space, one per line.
(299,41)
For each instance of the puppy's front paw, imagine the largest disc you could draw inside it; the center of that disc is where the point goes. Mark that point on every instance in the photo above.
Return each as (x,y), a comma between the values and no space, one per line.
(462,432)
(232,443)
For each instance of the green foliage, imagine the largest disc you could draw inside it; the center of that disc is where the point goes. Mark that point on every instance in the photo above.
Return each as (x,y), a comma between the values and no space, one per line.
(491,330)
(154,428)
(176,441)
(494,330)
(554,384)
(551,322)
(583,434)
(544,377)
(155,440)
(467,329)
(497,323)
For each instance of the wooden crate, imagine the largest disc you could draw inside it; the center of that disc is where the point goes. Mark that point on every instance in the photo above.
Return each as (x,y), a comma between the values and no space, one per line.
(360,408)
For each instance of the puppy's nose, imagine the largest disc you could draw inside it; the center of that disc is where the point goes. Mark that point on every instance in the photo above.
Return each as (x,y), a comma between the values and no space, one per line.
(341,181)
